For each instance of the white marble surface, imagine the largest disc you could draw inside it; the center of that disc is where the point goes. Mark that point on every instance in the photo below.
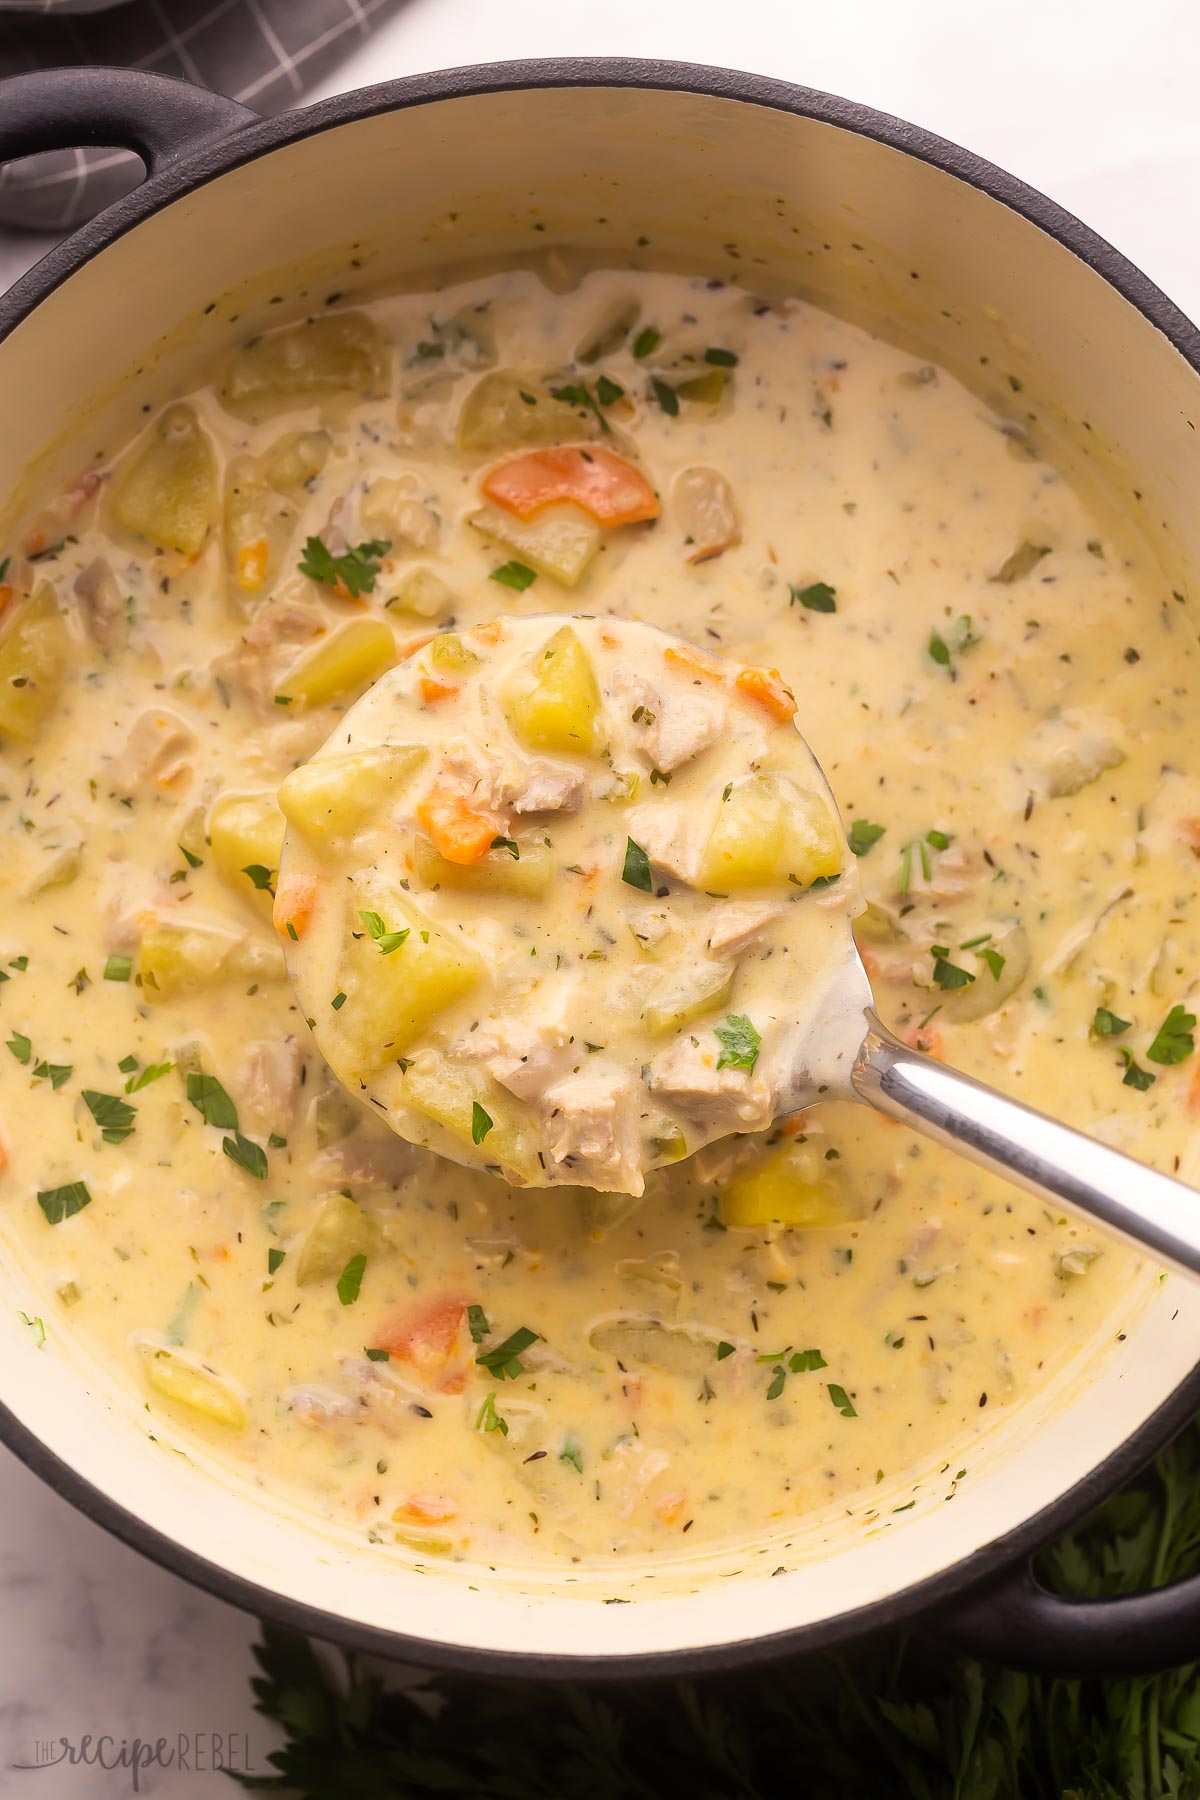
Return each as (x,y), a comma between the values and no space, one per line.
(1098,112)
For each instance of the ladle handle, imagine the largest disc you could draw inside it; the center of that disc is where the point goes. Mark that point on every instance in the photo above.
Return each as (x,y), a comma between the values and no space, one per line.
(1153,1211)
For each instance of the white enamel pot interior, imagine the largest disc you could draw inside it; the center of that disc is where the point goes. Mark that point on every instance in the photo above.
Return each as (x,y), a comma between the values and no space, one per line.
(760,184)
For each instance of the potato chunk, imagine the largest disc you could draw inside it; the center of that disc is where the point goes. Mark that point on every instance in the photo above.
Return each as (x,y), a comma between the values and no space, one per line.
(770,831)
(341,1230)
(497,872)
(258,528)
(560,542)
(339,353)
(512,408)
(637,1343)
(687,993)
(246,831)
(449,1093)
(33,657)
(560,709)
(178,960)
(166,490)
(393,1000)
(295,459)
(793,1186)
(335,795)
(340,665)
(179,1380)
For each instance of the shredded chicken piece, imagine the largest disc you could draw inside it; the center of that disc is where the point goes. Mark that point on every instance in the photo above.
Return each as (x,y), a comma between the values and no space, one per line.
(666,833)
(740,924)
(268,645)
(390,509)
(591,1127)
(686,1076)
(101,601)
(706,513)
(671,729)
(539,786)
(267,1085)
(156,753)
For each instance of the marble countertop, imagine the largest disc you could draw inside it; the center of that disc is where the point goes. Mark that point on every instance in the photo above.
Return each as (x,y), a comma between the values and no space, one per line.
(1100,115)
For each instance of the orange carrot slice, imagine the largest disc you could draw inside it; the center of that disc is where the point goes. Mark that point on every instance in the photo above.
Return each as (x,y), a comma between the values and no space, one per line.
(295,903)
(605,486)
(426,1335)
(766,686)
(697,662)
(462,831)
(425,1509)
(432,690)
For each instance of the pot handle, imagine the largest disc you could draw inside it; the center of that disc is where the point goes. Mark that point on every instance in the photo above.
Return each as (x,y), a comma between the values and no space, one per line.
(155,115)
(1014,1621)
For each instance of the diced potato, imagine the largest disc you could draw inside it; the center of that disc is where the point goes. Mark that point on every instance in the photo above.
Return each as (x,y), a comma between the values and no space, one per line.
(177,1379)
(391,509)
(295,459)
(668,1145)
(60,869)
(423,595)
(988,992)
(33,657)
(770,831)
(341,1230)
(335,795)
(511,409)
(686,993)
(258,528)
(706,513)
(449,1092)
(339,353)
(559,709)
(246,831)
(609,331)
(496,872)
(638,1343)
(166,489)
(561,542)
(600,1213)
(393,1000)
(340,665)
(448,653)
(178,960)
(793,1186)
(707,389)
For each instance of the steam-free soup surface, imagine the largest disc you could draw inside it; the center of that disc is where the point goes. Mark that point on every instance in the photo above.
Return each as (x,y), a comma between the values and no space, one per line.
(817,1316)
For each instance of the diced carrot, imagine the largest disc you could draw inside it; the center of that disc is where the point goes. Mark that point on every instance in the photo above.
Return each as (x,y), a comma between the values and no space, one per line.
(1189,831)
(295,903)
(490,632)
(926,1038)
(427,1335)
(1193,1091)
(453,1383)
(425,1509)
(252,565)
(766,686)
(35,541)
(670,1508)
(3,1155)
(6,594)
(432,690)
(462,832)
(605,486)
(697,661)
(792,1124)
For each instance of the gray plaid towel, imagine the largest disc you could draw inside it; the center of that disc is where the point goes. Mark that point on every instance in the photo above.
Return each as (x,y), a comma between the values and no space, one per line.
(262,52)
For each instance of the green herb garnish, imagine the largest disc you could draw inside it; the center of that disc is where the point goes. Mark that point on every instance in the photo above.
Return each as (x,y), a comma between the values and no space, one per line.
(1134,1076)
(355,570)
(386,941)
(1173,1041)
(572,1453)
(114,1116)
(21,1046)
(515,575)
(350,1279)
(64,1202)
(211,1101)
(636,870)
(817,597)
(504,1361)
(246,1154)
(841,1399)
(488,1419)
(666,396)
(1107,1024)
(481,1122)
(118,968)
(151,1072)
(739,1041)
(646,341)
(863,835)
(477,1324)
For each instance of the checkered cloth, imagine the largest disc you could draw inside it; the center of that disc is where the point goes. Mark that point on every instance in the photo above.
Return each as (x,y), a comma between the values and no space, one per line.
(264,53)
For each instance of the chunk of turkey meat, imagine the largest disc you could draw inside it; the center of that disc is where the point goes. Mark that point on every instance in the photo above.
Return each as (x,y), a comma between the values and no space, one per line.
(667,834)
(267,1084)
(528,1053)
(156,753)
(591,1130)
(686,1077)
(740,925)
(101,601)
(268,645)
(668,729)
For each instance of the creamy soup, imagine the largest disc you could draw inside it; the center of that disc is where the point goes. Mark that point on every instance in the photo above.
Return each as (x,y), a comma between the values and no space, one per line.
(817,1315)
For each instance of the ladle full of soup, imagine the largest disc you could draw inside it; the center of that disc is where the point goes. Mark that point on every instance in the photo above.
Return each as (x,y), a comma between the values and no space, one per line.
(568,899)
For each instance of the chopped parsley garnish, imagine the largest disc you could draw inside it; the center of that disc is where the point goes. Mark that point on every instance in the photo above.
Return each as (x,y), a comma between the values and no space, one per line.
(666,396)
(646,341)
(385,940)
(1173,1041)
(804,1361)
(608,390)
(211,1101)
(509,844)
(777,1382)
(938,839)
(818,597)
(488,1419)
(947,974)
(37,1329)
(246,1154)
(1134,1076)
(739,1041)
(260,877)
(572,1452)
(350,1279)
(515,575)
(504,1361)
(338,1001)
(864,836)
(21,1046)
(64,1202)
(376,1355)
(151,1072)
(721,359)
(477,1324)
(961,639)
(127,1063)
(841,1399)
(193,862)
(1021,562)
(481,1122)
(275,1259)
(355,570)
(114,1116)
(724,1349)
(994,960)
(54,1073)
(579,394)
(636,870)
(1107,1024)
(118,968)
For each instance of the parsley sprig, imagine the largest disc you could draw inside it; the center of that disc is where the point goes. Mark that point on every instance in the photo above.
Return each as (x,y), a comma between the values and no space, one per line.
(354,570)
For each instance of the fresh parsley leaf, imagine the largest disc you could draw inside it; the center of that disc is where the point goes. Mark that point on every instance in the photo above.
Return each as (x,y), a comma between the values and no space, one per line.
(275,1260)
(375,1355)
(572,1453)
(118,968)
(804,1361)
(724,1349)
(54,1073)
(509,844)
(646,342)
(127,1063)
(211,1101)
(961,639)
(948,975)
(864,835)
(778,1379)
(994,960)
(515,575)
(21,1046)
(114,1116)
(817,597)
(636,870)
(488,1419)
(275,1142)
(477,1324)
(739,1041)
(481,1122)
(504,1361)
(721,359)
(64,1202)
(841,1399)
(151,1072)
(246,1154)
(666,396)
(939,841)
(608,390)
(1174,1040)
(939,649)
(578,394)
(386,940)
(350,1279)
(1107,1024)
(260,877)
(193,862)
(1134,1076)
(354,571)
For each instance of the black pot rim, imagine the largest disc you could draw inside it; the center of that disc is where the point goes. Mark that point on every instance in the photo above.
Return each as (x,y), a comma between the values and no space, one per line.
(936,1593)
